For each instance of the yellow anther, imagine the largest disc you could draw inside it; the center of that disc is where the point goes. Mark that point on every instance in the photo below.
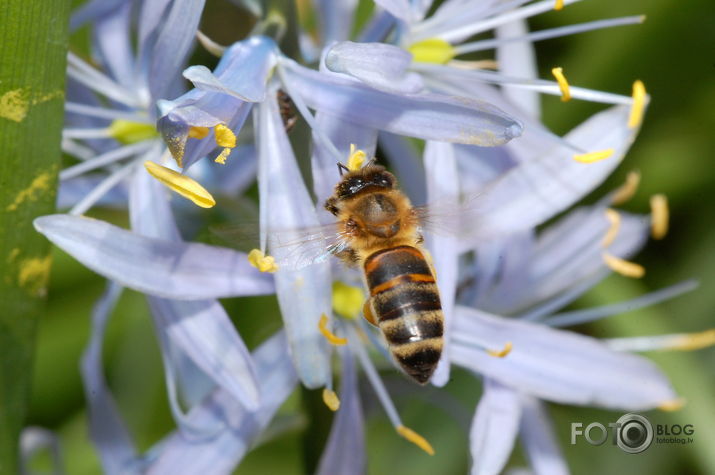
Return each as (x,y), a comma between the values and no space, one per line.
(432,50)
(639,101)
(623,267)
(594,156)
(695,341)
(331,399)
(563,83)
(224,138)
(198,132)
(127,132)
(674,405)
(347,300)
(332,338)
(415,438)
(182,184)
(356,159)
(614,218)
(628,189)
(559,5)
(501,353)
(262,262)
(659,216)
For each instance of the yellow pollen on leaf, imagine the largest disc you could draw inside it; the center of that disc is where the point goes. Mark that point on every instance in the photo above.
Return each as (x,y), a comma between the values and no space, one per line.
(626,191)
(332,338)
(262,262)
(623,267)
(432,50)
(415,438)
(331,399)
(659,216)
(563,83)
(501,353)
(197,132)
(639,100)
(128,132)
(347,300)
(356,158)
(614,218)
(674,405)
(559,5)
(695,341)
(182,184)
(594,156)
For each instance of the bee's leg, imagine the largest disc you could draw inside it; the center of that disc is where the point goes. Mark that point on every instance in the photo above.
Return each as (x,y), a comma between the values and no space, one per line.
(420,239)
(368,312)
(348,256)
(330,205)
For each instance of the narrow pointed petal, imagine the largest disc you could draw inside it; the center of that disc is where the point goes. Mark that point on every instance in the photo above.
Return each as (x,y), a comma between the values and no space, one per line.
(518,59)
(345,451)
(106,427)
(94,10)
(539,439)
(113,45)
(237,428)
(399,9)
(379,65)
(494,428)
(204,332)
(184,271)
(542,186)
(336,19)
(538,365)
(303,294)
(426,115)
(407,164)
(443,186)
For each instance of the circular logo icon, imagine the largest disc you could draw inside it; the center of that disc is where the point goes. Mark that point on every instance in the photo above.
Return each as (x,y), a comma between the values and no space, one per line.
(635,434)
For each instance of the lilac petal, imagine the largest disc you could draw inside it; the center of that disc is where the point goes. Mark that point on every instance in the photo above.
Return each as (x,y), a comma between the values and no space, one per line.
(150,19)
(106,427)
(176,34)
(565,254)
(162,268)
(494,428)
(427,115)
(73,190)
(303,294)
(344,453)
(112,42)
(399,9)
(540,187)
(149,209)
(336,19)
(518,59)
(203,331)
(407,164)
(557,365)
(379,65)
(539,439)
(443,186)
(93,10)
(221,452)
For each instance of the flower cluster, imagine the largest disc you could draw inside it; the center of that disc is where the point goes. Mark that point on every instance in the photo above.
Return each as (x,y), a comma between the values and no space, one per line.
(462,135)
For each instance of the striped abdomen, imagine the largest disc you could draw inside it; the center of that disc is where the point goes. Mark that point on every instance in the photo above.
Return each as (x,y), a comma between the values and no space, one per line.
(406,304)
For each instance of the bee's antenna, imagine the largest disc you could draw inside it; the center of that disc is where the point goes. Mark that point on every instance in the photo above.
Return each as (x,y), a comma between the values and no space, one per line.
(342,169)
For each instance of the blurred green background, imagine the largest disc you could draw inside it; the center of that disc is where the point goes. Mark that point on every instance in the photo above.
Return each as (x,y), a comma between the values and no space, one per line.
(672,52)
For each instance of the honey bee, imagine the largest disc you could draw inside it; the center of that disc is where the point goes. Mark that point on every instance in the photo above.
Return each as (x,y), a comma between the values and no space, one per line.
(381,235)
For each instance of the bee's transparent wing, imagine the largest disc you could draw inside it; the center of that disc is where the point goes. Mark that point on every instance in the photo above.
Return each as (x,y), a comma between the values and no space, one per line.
(292,248)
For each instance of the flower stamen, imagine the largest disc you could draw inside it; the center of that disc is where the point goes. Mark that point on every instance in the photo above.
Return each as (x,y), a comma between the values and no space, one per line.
(614,218)
(197,132)
(639,101)
(330,398)
(415,438)
(347,300)
(623,267)
(559,5)
(129,132)
(224,138)
(626,191)
(181,184)
(503,352)
(262,262)
(659,216)
(332,338)
(432,50)
(563,84)
(356,159)
(594,157)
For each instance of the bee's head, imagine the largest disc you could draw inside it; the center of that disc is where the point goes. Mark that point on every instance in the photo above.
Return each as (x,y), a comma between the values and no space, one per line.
(371,177)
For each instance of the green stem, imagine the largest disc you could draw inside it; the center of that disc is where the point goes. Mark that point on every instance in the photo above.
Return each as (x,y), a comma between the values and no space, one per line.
(33,35)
